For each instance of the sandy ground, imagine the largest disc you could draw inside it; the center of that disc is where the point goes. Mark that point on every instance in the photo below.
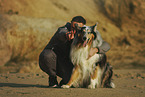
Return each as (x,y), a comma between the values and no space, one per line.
(129,83)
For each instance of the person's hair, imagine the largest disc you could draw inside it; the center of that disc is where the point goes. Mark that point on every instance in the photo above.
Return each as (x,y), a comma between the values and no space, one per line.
(78,19)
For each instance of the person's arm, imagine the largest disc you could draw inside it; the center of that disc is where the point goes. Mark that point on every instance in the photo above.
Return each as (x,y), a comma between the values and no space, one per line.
(62,34)
(102,46)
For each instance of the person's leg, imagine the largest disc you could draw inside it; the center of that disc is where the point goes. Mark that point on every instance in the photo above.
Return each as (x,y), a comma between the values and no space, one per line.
(47,62)
(64,70)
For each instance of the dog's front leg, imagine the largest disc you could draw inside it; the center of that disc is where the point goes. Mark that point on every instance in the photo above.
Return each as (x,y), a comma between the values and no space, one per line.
(73,78)
(95,78)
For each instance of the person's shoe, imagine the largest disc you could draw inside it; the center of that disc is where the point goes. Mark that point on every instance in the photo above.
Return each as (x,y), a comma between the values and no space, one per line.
(54,86)
(53,82)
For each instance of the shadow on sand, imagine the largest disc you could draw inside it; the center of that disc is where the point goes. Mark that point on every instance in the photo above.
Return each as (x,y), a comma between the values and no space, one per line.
(21,85)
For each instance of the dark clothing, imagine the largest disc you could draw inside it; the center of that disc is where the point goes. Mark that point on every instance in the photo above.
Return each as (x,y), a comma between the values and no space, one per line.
(59,42)
(54,64)
(55,60)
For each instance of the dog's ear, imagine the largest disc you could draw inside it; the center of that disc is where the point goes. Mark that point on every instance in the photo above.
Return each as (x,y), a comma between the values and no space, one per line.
(82,28)
(95,27)
(94,30)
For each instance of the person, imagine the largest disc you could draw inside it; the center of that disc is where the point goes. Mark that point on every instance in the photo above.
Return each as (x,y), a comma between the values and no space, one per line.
(54,59)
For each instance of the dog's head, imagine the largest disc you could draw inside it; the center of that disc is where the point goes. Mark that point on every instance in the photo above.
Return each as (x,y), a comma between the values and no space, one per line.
(85,35)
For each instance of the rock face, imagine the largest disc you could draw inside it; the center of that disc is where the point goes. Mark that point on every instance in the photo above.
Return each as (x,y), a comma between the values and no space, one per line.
(22,38)
(124,11)
(27,26)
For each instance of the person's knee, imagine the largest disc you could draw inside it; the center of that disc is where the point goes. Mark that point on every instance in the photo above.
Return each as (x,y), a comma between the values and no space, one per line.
(47,62)
(49,54)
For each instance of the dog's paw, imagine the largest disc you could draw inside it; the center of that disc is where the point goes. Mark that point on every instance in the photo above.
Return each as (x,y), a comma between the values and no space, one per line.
(91,87)
(112,85)
(65,86)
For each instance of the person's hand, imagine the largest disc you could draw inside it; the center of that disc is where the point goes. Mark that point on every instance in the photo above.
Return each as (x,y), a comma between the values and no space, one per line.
(92,52)
(72,35)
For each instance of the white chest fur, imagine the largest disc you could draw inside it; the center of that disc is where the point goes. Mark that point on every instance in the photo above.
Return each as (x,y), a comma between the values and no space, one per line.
(79,56)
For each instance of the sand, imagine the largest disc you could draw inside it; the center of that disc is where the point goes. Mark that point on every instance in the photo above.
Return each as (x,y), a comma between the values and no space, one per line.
(129,83)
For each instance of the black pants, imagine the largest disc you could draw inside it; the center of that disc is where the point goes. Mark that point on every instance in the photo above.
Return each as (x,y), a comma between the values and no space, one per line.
(54,64)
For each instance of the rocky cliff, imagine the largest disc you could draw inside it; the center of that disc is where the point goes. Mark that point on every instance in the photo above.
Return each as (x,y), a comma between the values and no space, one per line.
(27,26)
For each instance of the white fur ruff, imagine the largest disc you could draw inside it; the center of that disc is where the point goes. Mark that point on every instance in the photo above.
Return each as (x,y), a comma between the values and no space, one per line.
(79,56)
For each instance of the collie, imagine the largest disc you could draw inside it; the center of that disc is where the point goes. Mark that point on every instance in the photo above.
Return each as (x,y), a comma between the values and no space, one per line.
(89,72)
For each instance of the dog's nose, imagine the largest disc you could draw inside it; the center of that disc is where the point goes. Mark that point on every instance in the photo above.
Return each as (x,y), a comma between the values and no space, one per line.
(84,38)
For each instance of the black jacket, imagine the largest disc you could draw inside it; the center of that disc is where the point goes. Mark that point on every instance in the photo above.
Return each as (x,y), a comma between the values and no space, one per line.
(61,45)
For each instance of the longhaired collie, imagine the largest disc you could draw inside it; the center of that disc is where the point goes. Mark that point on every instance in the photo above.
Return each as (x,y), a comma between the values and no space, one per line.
(89,72)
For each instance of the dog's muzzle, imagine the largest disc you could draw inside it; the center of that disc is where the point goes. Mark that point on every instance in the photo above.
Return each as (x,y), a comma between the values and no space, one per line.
(85,42)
